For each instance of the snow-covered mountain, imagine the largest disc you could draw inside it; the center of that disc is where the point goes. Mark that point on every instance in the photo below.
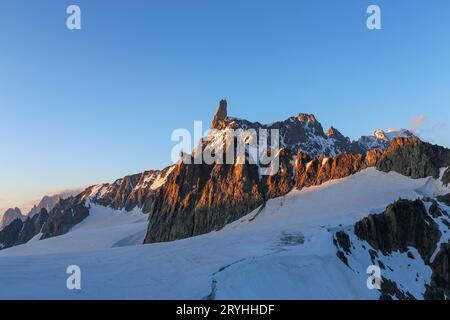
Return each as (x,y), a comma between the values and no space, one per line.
(282,250)
(308,231)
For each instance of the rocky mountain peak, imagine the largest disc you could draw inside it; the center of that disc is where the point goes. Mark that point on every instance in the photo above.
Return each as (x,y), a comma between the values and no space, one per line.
(305,117)
(220,116)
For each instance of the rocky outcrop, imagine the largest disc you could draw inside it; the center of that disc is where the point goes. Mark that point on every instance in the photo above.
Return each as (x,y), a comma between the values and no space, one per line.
(201,198)
(389,289)
(10,234)
(311,172)
(19,232)
(390,239)
(404,223)
(129,192)
(64,217)
(439,288)
(444,199)
(446,177)
(414,158)
(33,226)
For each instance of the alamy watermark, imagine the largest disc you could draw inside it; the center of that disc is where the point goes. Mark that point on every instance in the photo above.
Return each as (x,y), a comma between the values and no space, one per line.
(259,147)
(374,20)
(73,22)
(73,282)
(374,280)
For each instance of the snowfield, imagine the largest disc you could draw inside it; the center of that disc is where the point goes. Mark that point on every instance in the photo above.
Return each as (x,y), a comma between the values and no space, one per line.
(282,251)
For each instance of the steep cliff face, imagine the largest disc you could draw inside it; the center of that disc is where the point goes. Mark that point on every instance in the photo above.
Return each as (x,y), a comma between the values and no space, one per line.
(10,234)
(131,191)
(284,181)
(439,287)
(315,171)
(414,158)
(445,199)
(406,241)
(33,226)
(446,177)
(404,224)
(200,198)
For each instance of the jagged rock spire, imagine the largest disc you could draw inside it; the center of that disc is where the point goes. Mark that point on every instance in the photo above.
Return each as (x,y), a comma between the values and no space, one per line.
(220,115)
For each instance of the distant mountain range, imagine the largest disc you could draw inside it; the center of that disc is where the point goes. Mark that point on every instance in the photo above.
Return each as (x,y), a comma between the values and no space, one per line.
(48,202)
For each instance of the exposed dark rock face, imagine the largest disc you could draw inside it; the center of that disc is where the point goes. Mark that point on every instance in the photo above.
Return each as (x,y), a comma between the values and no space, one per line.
(439,288)
(444,199)
(33,226)
(446,177)
(414,158)
(343,240)
(343,243)
(435,210)
(404,223)
(118,194)
(19,232)
(311,172)
(10,234)
(9,216)
(280,184)
(389,289)
(201,198)
(64,217)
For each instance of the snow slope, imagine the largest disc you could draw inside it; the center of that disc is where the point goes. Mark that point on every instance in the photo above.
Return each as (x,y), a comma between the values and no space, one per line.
(284,250)
(103,228)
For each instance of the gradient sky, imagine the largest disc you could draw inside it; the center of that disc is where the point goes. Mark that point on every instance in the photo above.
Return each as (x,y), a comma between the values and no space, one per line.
(89,106)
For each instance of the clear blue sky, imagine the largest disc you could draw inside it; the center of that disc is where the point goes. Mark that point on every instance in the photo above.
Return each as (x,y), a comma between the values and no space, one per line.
(88,106)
